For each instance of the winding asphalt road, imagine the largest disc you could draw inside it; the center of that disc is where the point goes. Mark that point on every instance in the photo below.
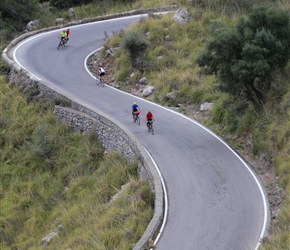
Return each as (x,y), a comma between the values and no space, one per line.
(215,199)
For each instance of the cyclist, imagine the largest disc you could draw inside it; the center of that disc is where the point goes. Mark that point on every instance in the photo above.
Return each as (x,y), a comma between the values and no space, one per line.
(67,34)
(149,118)
(101,71)
(135,109)
(63,36)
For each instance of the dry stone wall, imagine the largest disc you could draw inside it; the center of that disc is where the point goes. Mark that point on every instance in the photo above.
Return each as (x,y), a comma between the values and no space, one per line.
(110,135)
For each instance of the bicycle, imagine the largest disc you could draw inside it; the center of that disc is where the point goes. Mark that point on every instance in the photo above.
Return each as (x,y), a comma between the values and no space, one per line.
(150,127)
(100,82)
(136,117)
(62,42)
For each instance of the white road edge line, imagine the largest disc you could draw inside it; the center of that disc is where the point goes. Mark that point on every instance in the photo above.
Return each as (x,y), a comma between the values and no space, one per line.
(244,163)
(165,199)
(15,58)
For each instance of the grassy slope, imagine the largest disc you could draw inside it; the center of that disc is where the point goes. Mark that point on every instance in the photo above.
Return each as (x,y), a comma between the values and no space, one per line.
(258,136)
(51,176)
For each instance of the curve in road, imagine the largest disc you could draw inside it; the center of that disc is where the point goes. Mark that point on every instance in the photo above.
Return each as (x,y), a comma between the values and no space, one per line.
(215,199)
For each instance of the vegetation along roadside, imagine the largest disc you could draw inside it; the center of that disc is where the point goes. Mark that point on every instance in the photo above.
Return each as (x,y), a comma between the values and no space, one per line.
(54,180)
(227,53)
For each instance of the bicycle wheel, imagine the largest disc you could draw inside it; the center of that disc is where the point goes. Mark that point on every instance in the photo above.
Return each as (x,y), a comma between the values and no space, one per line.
(152,129)
(58,45)
(138,119)
(102,83)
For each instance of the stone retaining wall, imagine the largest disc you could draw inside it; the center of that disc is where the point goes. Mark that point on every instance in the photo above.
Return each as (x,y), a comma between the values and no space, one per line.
(109,133)
(82,117)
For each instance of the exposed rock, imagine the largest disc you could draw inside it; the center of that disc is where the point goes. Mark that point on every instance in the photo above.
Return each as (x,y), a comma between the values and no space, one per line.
(180,107)
(109,52)
(147,91)
(143,81)
(181,16)
(71,12)
(167,38)
(32,25)
(206,106)
(278,194)
(171,95)
(60,227)
(47,239)
(117,194)
(59,21)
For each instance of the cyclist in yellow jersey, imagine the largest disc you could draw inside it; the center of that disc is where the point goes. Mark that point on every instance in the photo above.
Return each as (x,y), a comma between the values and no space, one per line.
(63,35)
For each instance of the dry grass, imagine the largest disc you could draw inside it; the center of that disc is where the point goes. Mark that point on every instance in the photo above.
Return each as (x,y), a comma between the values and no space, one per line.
(51,176)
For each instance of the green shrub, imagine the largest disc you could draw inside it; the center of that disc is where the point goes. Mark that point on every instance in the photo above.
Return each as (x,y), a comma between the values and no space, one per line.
(247,120)
(197,95)
(4,69)
(218,113)
(246,57)
(122,74)
(259,134)
(134,43)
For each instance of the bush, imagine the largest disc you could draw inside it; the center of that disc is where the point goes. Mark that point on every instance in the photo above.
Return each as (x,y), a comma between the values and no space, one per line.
(245,58)
(134,43)
(247,121)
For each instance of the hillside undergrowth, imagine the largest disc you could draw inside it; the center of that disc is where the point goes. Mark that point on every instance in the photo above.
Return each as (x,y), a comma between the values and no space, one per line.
(57,180)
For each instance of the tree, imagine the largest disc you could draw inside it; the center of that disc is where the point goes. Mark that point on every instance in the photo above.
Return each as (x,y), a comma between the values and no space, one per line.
(19,11)
(246,57)
(14,16)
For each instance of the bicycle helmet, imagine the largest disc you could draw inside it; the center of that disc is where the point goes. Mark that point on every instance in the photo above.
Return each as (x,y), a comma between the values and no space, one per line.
(149,112)
(134,103)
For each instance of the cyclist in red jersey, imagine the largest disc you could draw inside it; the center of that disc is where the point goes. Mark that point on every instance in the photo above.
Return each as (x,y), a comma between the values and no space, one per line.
(67,31)
(149,118)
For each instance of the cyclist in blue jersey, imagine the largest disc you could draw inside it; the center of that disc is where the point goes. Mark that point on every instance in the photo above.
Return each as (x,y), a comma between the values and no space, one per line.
(135,110)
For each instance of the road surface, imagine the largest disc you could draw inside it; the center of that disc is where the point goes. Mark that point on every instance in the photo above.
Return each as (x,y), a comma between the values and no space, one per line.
(215,199)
